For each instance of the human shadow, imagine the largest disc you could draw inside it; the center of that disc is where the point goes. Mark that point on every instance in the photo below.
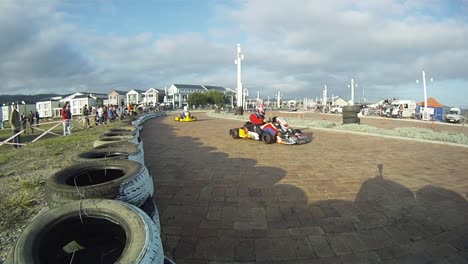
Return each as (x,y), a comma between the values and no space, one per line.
(218,206)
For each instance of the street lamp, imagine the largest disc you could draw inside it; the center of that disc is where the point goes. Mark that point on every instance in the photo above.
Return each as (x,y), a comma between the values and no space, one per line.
(425,112)
(352,85)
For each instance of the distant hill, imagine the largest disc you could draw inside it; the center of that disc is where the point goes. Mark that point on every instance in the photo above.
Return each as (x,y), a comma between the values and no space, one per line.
(28,99)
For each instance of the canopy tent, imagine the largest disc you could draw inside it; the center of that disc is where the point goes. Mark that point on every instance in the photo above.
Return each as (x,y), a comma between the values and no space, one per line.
(436,108)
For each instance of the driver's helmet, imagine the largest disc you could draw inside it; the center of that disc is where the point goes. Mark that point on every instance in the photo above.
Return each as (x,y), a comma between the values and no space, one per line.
(261,109)
(282,123)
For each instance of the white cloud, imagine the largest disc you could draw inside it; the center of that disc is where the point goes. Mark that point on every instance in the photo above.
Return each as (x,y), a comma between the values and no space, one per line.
(295,47)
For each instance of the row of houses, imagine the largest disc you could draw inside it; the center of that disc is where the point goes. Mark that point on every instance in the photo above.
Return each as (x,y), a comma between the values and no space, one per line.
(176,96)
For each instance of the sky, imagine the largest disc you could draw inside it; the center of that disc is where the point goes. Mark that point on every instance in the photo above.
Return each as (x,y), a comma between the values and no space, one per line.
(295,47)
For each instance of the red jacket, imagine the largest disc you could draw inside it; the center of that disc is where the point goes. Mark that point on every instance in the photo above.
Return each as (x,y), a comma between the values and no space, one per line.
(256,118)
(64,114)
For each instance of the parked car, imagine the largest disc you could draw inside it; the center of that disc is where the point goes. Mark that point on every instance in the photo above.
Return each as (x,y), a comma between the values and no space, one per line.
(336,109)
(454,115)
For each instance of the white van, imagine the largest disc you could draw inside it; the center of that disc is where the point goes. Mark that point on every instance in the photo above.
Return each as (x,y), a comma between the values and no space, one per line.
(409,108)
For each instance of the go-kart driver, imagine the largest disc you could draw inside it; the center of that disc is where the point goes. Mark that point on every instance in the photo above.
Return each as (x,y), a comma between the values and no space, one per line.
(185,113)
(258,120)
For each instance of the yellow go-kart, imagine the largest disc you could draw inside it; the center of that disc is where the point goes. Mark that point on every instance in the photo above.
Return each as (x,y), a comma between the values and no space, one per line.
(186,118)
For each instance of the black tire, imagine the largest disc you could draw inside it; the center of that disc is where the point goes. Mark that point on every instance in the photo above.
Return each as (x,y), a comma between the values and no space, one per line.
(268,138)
(130,152)
(151,209)
(235,133)
(119,134)
(352,108)
(354,120)
(123,128)
(124,180)
(123,144)
(107,140)
(349,115)
(298,131)
(101,230)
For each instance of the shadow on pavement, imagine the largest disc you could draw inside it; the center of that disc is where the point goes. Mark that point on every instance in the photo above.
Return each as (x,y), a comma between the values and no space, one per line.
(214,207)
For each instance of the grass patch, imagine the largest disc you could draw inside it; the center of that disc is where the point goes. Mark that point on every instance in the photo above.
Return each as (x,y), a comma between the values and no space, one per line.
(23,172)
(417,133)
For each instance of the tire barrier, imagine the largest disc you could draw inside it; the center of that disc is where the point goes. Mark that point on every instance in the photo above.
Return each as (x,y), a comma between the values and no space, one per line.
(126,128)
(150,208)
(119,134)
(106,140)
(93,231)
(130,152)
(350,114)
(124,180)
(101,208)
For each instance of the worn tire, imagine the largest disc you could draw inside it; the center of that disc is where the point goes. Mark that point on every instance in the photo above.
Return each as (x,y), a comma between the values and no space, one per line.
(151,209)
(123,128)
(346,115)
(268,138)
(354,120)
(235,133)
(130,152)
(106,140)
(124,180)
(100,228)
(352,108)
(119,134)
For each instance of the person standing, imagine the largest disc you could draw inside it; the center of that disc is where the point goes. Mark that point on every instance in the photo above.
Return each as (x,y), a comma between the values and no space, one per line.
(86,116)
(37,118)
(24,121)
(65,119)
(31,121)
(15,123)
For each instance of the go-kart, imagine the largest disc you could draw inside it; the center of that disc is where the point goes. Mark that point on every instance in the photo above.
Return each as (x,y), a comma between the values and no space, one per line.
(185,118)
(276,130)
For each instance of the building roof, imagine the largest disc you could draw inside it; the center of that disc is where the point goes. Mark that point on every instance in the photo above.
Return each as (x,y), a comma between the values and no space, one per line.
(137,90)
(431,102)
(218,88)
(118,91)
(189,86)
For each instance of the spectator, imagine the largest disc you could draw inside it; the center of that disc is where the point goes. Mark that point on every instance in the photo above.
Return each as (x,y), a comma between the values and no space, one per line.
(400,111)
(15,123)
(86,116)
(24,121)
(31,121)
(37,118)
(65,119)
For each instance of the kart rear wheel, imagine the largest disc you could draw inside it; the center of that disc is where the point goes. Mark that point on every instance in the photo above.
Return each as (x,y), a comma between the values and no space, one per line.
(235,133)
(268,138)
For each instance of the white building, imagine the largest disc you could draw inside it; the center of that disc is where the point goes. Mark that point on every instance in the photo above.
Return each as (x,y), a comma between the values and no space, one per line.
(178,94)
(338,101)
(48,107)
(151,97)
(134,96)
(118,98)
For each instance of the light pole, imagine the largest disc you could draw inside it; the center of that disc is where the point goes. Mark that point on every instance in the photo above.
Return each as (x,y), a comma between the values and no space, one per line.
(238,62)
(324,98)
(352,85)
(425,114)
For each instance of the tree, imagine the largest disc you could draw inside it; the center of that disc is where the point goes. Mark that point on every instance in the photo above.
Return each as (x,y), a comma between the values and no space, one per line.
(197,99)
(216,98)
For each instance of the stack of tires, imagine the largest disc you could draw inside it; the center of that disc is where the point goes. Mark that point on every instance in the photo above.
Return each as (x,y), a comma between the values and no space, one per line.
(101,209)
(350,114)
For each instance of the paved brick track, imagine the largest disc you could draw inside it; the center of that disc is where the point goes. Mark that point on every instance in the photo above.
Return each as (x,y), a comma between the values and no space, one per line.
(342,198)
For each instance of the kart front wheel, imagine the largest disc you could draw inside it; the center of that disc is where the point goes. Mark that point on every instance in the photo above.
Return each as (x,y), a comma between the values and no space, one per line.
(268,138)
(235,133)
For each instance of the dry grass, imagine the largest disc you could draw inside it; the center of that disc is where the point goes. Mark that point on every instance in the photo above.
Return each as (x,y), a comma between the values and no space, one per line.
(23,173)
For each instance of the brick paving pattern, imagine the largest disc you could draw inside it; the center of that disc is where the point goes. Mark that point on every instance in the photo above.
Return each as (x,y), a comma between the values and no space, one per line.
(342,198)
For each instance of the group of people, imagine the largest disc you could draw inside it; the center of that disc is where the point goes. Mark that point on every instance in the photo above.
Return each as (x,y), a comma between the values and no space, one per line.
(18,121)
